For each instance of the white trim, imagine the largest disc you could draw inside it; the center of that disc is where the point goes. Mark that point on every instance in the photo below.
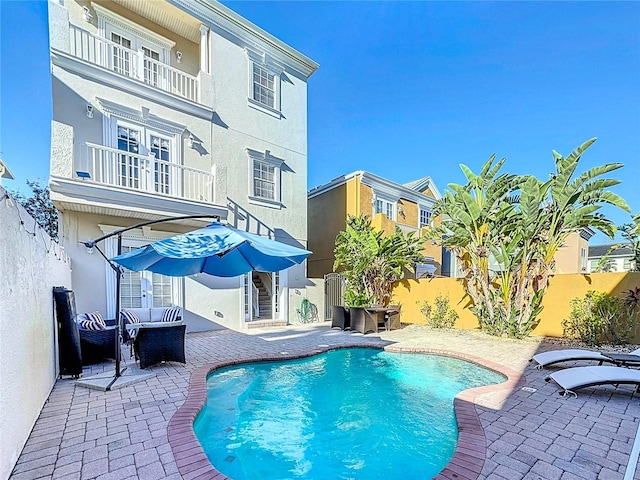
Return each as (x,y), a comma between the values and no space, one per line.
(129,85)
(276,163)
(378,184)
(267,63)
(223,18)
(142,117)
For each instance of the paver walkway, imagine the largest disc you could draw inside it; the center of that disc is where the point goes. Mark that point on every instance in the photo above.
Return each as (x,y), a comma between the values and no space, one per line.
(122,434)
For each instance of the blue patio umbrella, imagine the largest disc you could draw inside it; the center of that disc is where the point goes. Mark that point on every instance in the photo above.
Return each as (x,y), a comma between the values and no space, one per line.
(216,249)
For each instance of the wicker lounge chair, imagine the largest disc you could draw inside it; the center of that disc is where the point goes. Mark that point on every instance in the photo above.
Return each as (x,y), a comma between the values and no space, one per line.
(340,317)
(160,344)
(572,379)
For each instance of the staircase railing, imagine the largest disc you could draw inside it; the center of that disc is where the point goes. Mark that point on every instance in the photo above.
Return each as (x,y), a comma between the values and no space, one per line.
(256,300)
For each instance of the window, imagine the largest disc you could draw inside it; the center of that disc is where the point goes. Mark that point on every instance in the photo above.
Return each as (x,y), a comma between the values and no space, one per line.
(583,259)
(151,59)
(263,86)
(264,178)
(387,207)
(264,185)
(129,169)
(627,265)
(594,265)
(145,289)
(264,83)
(425,217)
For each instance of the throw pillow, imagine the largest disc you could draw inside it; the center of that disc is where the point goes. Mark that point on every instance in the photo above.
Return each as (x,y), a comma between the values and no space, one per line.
(96,317)
(129,316)
(171,314)
(87,324)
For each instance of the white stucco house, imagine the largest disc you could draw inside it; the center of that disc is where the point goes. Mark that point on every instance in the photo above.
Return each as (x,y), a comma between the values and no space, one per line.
(169,108)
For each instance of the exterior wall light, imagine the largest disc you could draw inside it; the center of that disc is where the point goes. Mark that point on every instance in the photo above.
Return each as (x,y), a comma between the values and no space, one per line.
(89,110)
(179,56)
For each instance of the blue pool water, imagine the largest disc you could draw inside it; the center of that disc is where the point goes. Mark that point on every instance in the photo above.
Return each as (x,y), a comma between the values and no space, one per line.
(346,414)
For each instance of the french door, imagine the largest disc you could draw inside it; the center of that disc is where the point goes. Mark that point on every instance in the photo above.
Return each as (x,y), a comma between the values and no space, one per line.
(147,159)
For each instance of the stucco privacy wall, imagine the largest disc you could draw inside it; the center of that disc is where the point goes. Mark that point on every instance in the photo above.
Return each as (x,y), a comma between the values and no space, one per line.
(562,289)
(30,266)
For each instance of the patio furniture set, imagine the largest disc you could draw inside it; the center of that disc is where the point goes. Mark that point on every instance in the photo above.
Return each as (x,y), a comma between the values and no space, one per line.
(366,319)
(154,335)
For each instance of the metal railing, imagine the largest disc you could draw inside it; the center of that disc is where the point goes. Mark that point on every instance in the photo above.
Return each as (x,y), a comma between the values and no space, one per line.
(110,166)
(255,294)
(131,63)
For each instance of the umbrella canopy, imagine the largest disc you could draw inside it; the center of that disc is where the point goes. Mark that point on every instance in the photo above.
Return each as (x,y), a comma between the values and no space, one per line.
(217,249)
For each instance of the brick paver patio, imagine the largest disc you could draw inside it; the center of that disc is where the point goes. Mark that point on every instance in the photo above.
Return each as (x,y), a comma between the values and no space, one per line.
(123,434)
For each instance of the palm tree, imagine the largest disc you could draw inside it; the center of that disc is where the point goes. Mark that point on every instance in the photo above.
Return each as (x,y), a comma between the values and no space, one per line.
(522,223)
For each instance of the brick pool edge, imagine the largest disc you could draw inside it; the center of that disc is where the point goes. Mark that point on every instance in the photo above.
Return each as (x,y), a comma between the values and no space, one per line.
(466,463)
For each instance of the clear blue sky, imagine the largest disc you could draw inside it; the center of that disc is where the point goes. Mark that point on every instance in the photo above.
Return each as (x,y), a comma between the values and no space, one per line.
(408,89)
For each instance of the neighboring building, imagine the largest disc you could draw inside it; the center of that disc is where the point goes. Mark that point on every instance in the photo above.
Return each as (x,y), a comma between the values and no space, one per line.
(571,257)
(168,108)
(617,260)
(408,206)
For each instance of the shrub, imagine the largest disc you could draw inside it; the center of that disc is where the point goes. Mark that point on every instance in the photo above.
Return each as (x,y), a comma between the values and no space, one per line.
(599,318)
(442,316)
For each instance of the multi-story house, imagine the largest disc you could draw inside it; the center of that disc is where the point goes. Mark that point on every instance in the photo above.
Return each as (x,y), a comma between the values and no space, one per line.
(389,204)
(170,108)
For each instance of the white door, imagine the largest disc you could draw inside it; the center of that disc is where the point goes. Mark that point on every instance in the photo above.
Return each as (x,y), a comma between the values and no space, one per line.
(146,289)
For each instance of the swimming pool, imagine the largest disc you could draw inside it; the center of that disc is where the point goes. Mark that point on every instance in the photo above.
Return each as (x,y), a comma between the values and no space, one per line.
(349,413)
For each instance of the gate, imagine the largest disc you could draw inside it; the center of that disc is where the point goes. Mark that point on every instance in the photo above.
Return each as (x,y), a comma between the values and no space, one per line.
(333,292)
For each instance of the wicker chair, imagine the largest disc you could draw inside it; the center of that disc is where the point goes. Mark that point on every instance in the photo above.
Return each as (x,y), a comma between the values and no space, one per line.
(160,344)
(97,345)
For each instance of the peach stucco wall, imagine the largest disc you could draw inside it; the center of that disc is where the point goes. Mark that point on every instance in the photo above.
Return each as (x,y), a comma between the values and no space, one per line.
(562,289)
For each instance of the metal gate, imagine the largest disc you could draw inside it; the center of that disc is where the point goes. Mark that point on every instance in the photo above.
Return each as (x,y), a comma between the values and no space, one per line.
(333,292)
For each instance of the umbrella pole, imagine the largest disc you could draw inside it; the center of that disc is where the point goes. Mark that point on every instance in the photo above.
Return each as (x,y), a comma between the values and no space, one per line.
(118,319)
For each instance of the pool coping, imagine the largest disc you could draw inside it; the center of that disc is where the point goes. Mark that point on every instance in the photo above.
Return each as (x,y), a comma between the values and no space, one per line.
(466,463)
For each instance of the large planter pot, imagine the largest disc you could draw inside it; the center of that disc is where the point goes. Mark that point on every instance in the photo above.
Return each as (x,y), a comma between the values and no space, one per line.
(340,317)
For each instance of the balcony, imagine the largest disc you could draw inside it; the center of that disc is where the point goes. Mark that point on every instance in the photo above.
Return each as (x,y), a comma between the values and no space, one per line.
(131,64)
(144,173)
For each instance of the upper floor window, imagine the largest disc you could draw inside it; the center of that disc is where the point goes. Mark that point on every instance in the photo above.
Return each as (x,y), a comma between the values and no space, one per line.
(264,83)
(387,207)
(583,259)
(263,86)
(264,179)
(425,217)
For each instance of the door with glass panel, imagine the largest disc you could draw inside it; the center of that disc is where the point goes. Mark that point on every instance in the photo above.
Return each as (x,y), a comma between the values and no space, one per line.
(129,168)
(145,160)
(121,54)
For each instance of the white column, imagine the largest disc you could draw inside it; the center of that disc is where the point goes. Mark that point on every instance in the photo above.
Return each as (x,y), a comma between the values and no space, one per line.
(204,48)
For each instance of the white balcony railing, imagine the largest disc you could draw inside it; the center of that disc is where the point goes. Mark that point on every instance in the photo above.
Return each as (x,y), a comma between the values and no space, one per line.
(145,173)
(130,63)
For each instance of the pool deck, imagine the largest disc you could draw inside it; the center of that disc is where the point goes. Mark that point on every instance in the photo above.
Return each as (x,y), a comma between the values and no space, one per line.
(142,430)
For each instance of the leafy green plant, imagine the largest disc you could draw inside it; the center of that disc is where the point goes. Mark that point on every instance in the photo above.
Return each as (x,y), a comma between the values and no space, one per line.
(598,318)
(505,231)
(372,261)
(441,315)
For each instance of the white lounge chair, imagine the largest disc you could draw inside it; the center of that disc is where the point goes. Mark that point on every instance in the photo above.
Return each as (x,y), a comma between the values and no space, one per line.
(572,379)
(569,354)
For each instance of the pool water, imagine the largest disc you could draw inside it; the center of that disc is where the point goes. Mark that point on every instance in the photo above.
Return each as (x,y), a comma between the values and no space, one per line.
(346,414)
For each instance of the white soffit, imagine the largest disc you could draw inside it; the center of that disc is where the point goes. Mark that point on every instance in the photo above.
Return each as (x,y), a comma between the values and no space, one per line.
(165,15)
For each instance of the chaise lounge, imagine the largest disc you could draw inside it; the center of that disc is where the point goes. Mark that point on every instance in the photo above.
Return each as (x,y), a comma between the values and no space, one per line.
(572,379)
(567,355)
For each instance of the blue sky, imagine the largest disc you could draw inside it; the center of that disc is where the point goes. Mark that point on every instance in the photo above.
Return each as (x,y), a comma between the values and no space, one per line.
(408,89)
